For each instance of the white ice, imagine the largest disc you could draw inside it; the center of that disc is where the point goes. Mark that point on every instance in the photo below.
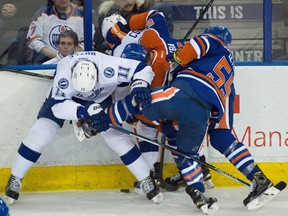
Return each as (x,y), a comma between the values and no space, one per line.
(116,203)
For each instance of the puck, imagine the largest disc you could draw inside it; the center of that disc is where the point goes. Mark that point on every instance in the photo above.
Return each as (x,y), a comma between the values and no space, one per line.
(125,190)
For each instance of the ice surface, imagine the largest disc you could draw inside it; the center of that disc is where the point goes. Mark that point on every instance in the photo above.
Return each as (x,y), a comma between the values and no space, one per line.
(116,203)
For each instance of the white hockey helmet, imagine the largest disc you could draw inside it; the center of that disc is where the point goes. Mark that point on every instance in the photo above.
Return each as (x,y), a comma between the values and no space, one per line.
(108,23)
(84,76)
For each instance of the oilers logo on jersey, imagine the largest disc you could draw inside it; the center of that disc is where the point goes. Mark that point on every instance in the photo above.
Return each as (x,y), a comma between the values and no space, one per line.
(54,34)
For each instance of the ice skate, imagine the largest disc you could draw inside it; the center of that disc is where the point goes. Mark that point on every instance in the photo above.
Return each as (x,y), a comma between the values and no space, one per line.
(12,190)
(149,187)
(262,190)
(207,205)
(137,187)
(259,184)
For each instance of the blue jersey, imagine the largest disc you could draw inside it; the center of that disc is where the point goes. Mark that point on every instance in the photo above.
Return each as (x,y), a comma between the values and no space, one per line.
(210,69)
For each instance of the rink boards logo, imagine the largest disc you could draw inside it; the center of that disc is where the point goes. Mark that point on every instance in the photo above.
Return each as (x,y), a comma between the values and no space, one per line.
(54,34)
(109,72)
(63,83)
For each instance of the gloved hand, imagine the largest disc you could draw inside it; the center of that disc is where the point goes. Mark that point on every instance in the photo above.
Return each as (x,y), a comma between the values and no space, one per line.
(114,35)
(140,93)
(94,113)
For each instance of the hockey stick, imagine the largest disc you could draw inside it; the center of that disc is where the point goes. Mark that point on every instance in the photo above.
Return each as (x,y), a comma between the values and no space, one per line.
(197,21)
(121,129)
(158,166)
(23,72)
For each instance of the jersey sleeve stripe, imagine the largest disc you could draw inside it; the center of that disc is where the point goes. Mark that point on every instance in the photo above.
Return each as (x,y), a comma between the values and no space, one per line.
(202,45)
(196,47)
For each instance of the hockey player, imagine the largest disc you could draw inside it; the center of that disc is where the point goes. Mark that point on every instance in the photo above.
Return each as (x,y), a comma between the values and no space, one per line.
(157,45)
(193,94)
(150,30)
(46,122)
(220,134)
(83,81)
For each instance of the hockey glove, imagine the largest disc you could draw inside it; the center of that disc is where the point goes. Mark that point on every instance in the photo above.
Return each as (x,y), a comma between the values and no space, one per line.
(140,92)
(94,113)
(116,33)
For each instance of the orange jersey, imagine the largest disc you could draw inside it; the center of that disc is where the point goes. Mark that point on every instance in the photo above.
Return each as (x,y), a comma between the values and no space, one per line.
(155,39)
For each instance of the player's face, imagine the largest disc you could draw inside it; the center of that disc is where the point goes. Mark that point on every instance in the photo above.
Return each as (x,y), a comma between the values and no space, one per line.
(126,6)
(62,4)
(66,46)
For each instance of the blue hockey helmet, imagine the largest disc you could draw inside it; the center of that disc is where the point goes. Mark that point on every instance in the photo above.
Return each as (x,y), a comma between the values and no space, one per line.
(135,51)
(4,210)
(221,32)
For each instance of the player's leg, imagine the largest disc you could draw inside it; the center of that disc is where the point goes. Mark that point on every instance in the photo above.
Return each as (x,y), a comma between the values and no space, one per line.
(238,154)
(131,156)
(40,135)
(222,139)
(192,114)
(149,151)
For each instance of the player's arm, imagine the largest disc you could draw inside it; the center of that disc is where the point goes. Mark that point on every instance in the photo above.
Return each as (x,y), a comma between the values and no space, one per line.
(196,48)
(143,20)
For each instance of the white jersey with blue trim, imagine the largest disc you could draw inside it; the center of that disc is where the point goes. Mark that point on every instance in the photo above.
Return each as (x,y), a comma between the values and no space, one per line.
(112,71)
(131,37)
(47,25)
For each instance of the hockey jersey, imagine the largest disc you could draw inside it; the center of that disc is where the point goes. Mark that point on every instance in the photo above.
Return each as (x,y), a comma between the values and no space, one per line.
(209,68)
(112,71)
(48,23)
(156,38)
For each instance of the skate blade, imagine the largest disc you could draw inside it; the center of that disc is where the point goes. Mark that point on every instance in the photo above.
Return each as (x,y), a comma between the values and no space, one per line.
(209,184)
(8,200)
(258,202)
(158,198)
(210,210)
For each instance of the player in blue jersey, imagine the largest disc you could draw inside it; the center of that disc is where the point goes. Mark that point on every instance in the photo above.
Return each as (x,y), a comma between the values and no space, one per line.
(203,90)
(190,100)
(220,133)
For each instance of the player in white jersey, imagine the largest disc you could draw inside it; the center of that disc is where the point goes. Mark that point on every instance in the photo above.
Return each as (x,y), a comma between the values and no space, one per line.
(49,22)
(82,87)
